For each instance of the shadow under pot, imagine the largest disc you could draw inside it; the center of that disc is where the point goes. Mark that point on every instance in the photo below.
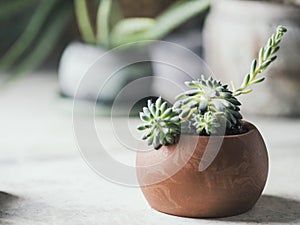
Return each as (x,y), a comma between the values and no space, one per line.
(204,176)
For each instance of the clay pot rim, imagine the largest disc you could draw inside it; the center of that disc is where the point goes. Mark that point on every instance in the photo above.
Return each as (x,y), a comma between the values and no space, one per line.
(249,125)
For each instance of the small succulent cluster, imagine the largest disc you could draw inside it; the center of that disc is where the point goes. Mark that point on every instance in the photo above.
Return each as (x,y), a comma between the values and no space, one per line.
(207,123)
(208,105)
(208,108)
(162,124)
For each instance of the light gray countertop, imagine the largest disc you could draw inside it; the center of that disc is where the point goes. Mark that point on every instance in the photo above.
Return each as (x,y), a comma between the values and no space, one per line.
(44,179)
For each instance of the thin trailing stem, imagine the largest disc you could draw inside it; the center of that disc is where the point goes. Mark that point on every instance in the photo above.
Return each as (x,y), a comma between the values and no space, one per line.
(267,55)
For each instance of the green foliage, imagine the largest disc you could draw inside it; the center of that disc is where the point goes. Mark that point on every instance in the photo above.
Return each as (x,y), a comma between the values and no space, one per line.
(208,108)
(48,20)
(266,56)
(83,20)
(11,7)
(103,21)
(44,47)
(161,123)
(209,96)
(112,33)
(131,30)
(177,14)
(206,123)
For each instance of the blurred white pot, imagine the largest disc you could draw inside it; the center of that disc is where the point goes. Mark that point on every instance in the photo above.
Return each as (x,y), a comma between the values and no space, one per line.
(101,74)
(234,32)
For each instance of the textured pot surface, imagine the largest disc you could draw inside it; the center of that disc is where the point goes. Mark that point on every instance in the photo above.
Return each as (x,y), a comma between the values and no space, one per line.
(234,32)
(230,185)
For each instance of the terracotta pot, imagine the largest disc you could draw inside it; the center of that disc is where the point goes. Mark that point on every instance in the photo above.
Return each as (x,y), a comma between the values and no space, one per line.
(230,185)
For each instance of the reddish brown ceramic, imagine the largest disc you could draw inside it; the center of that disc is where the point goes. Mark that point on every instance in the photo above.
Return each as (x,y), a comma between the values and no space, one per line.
(230,185)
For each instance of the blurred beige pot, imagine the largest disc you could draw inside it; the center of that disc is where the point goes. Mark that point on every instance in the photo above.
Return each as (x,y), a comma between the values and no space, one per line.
(235,31)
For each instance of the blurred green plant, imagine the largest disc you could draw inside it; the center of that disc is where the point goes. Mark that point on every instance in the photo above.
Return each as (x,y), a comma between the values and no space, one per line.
(113,30)
(40,36)
(50,18)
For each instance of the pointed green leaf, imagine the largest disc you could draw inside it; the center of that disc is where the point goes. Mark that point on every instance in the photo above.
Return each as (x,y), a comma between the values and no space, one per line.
(150,139)
(163,107)
(158,103)
(261,55)
(259,80)
(166,113)
(268,52)
(144,117)
(141,127)
(253,67)
(246,81)
(146,135)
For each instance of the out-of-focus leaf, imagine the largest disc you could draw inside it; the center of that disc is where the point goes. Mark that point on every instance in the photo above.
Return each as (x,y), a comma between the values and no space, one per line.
(131,30)
(47,42)
(11,7)
(177,15)
(103,21)
(84,22)
(27,38)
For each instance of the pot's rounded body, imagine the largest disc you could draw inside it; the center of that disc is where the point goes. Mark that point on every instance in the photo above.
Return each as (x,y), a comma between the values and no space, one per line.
(235,31)
(229,184)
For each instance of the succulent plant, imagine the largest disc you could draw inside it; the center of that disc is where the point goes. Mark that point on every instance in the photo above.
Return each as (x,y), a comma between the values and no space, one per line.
(209,107)
(206,123)
(212,97)
(162,124)
(265,57)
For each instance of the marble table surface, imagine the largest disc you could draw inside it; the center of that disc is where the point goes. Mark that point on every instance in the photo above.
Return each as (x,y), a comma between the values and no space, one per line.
(44,179)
